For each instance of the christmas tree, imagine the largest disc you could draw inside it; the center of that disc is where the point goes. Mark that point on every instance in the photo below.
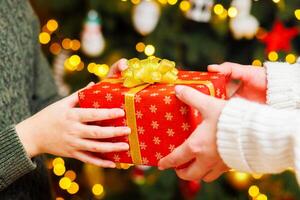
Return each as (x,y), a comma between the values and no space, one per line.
(82,38)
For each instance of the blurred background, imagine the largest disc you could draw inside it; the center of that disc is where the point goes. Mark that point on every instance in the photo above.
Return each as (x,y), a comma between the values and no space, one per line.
(82,38)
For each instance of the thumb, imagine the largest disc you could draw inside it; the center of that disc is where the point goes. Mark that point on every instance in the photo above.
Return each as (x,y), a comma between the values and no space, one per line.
(72,100)
(196,99)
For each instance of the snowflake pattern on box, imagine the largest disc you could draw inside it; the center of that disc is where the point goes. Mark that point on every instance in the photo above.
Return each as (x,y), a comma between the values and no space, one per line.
(163,121)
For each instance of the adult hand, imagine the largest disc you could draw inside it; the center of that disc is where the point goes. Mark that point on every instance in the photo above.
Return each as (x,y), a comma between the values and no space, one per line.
(200,147)
(62,129)
(253,81)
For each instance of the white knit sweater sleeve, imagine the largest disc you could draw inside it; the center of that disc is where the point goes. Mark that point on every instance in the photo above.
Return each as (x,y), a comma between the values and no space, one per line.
(259,138)
(283,85)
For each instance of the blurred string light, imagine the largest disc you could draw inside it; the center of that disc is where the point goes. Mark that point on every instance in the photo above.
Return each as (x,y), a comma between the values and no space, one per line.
(100,70)
(221,12)
(290,58)
(69,44)
(257,176)
(185,5)
(257,63)
(261,197)
(164,2)
(52,25)
(135,1)
(273,56)
(140,47)
(172,2)
(232,12)
(73,189)
(149,50)
(47,30)
(55,48)
(58,166)
(253,191)
(70,174)
(297,14)
(65,183)
(59,198)
(97,189)
(44,38)
(276,1)
(74,63)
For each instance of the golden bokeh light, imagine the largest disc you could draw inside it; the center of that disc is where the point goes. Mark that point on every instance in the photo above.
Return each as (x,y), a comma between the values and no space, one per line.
(75,45)
(273,56)
(140,47)
(257,63)
(253,191)
(232,12)
(218,9)
(172,2)
(297,14)
(59,169)
(52,25)
(185,5)
(66,43)
(290,58)
(74,188)
(101,70)
(65,183)
(91,67)
(71,175)
(149,50)
(58,160)
(97,189)
(80,67)
(135,1)
(257,176)
(261,197)
(44,38)
(55,48)
(74,60)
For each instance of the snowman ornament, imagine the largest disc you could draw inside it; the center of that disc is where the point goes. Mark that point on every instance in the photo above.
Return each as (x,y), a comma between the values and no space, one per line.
(93,42)
(146,16)
(200,10)
(244,25)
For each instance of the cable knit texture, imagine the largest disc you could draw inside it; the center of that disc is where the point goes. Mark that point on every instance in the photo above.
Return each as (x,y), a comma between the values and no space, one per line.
(283,85)
(26,86)
(261,138)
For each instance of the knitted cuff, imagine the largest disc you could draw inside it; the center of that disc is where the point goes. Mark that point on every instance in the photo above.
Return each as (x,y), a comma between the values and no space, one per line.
(229,135)
(14,161)
(283,85)
(256,138)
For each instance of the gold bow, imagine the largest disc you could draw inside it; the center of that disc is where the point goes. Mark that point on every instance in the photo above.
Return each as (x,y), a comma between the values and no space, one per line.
(149,71)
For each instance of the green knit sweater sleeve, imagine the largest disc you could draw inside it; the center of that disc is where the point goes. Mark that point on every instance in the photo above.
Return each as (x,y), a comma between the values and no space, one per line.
(14,161)
(26,86)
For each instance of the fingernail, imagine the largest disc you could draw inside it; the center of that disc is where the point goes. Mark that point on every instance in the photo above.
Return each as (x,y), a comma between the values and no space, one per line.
(119,112)
(214,65)
(112,165)
(179,88)
(126,130)
(124,146)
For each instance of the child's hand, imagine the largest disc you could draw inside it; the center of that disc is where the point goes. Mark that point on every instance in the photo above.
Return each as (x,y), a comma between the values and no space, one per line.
(62,129)
(117,67)
(253,81)
(200,147)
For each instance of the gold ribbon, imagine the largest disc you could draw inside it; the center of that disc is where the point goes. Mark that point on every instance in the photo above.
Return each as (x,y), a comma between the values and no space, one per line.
(131,117)
(150,70)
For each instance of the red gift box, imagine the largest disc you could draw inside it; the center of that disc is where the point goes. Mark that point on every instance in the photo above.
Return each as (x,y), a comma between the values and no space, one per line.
(158,119)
